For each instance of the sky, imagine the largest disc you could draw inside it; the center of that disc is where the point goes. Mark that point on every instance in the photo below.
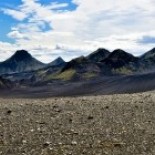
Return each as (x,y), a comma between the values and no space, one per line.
(71,28)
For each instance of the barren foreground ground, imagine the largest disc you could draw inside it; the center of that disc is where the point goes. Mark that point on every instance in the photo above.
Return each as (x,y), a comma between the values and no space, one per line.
(96,125)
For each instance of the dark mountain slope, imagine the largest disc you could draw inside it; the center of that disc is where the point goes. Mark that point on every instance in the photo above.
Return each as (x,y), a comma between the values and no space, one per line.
(122,62)
(98,55)
(117,62)
(21,61)
(119,58)
(82,68)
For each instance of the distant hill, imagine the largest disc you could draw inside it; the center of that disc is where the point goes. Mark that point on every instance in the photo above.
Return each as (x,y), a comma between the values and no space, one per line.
(57,62)
(19,62)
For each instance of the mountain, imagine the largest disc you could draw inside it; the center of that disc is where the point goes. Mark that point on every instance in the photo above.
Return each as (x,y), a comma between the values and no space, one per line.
(80,68)
(98,55)
(121,62)
(21,61)
(100,63)
(119,58)
(57,62)
(76,63)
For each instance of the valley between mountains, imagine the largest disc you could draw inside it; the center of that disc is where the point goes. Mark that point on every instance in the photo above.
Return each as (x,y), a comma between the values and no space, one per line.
(101,72)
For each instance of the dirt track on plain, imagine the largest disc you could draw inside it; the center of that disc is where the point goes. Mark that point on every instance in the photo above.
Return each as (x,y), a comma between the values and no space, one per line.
(94,125)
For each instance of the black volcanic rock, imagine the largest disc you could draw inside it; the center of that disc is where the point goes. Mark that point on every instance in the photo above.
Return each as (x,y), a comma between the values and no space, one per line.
(119,58)
(57,62)
(98,55)
(21,61)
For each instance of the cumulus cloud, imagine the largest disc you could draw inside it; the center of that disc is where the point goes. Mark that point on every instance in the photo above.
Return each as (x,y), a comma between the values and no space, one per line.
(94,23)
(19,15)
(16,35)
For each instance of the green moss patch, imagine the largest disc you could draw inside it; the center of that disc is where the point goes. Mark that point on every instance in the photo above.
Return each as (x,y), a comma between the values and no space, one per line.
(66,75)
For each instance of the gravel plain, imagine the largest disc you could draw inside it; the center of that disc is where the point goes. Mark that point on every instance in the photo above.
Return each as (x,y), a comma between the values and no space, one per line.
(91,125)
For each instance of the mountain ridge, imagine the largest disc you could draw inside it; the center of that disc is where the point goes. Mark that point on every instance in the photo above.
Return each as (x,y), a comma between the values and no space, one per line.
(99,63)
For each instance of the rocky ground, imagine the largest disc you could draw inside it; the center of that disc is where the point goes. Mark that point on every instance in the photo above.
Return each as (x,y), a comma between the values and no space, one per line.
(94,125)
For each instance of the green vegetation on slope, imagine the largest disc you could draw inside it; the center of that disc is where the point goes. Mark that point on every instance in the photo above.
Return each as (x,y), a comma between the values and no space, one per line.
(89,75)
(123,70)
(66,75)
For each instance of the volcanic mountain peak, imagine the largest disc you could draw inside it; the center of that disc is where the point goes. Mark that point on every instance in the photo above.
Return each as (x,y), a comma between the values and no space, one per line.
(98,55)
(21,61)
(100,50)
(119,58)
(21,55)
(120,54)
(59,59)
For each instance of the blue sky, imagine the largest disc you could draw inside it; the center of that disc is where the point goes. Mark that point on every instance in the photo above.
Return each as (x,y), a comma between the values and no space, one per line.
(71,28)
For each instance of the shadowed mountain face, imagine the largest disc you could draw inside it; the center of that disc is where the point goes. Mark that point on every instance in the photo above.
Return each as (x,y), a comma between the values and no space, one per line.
(98,55)
(77,64)
(21,55)
(119,58)
(82,67)
(21,61)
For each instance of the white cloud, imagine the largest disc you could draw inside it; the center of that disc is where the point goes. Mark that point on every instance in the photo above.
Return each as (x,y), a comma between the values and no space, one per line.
(16,35)
(15,14)
(94,23)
